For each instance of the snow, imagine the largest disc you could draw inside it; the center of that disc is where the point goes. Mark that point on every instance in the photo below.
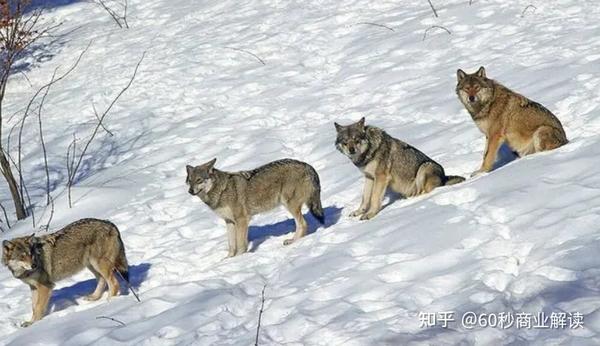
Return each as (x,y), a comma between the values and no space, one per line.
(520,239)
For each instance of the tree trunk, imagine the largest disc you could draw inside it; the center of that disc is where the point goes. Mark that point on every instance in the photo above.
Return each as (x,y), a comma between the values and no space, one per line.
(12,184)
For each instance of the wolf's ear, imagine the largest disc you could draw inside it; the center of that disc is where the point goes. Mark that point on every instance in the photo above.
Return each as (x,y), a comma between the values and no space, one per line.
(338,127)
(460,75)
(361,123)
(7,245)
(189,169)
(211,165)
(31,239)
(481,72)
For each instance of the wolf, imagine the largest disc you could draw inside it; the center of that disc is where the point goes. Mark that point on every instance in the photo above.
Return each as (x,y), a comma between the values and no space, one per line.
(387,162)
(237,196)
(41,261)
(505,116)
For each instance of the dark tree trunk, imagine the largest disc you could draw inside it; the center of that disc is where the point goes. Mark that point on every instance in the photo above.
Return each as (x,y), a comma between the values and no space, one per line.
(12,185)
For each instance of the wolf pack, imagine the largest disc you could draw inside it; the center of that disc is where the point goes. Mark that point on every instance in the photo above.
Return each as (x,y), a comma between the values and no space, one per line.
(502,115)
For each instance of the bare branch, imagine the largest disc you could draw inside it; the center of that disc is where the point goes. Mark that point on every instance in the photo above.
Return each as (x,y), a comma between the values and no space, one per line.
(375,24)
(42,142)
(112,319)
(98,118)
(128,285)
(247,52)
(76,166)
(70,164)
(260,313)
(46,227)
(432,8)
(5,215)
(435,27)
(526,8)
(121,20)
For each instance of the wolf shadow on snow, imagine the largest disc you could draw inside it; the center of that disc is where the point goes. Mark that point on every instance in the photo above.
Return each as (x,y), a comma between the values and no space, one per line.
(66,296)
(259,234)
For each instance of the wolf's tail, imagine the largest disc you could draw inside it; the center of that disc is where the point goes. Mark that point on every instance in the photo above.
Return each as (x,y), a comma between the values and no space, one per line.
(314,201)
(121,264)
(453,179)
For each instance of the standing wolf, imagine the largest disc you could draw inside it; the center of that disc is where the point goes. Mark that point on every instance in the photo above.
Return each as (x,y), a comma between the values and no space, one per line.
(387,162)
(505,116)
(237,196)
(42,261)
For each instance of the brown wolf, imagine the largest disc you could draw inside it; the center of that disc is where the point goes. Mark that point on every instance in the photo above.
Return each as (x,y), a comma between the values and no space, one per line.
(237,196)
(42,261)
(505,116)
(388,162)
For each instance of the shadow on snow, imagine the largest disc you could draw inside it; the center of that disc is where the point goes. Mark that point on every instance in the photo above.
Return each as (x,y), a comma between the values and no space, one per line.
(66,296)
(259,234)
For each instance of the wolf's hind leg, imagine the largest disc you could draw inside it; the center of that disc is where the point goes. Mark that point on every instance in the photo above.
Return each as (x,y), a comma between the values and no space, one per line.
(107,270)
(301,226)
(428,178)
(101,285)
(548,138)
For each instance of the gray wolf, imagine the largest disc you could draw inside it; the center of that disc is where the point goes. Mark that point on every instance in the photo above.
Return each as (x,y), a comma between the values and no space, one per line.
(41,261)
(387,162)
(505,116)
(237,196)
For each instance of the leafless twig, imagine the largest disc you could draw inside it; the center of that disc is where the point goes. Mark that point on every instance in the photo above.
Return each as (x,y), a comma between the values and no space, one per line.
(526,8)
(46,227)
(247,52)
(42,142)
(71,150)
(112,319)
(432,8)
(375,24)
(435,27)
(5,215)
(74,168)
(98,119)
(45,89)
(129,286)
(121,20)
(260,313)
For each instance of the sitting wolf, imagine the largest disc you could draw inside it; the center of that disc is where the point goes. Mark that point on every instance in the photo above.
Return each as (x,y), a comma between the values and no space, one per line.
(387,162)
(237,196)
(505,116)
(42,261)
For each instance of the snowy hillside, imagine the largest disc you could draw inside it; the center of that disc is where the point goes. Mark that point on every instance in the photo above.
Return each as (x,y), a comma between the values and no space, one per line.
(524,238)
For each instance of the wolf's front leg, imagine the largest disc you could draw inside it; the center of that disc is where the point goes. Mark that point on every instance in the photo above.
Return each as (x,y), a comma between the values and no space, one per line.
(241,235)
(379,185)
(230,238)
(39,299)
(366,197)
(492,145)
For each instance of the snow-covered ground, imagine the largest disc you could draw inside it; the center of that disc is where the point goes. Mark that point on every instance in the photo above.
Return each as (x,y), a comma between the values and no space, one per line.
(523,238)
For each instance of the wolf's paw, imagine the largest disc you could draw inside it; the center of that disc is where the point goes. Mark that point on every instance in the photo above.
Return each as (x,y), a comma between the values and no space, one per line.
(288,242)
(26,324)
(92,298)
(368,215)
(357,212)
(230,254)
(477,172)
